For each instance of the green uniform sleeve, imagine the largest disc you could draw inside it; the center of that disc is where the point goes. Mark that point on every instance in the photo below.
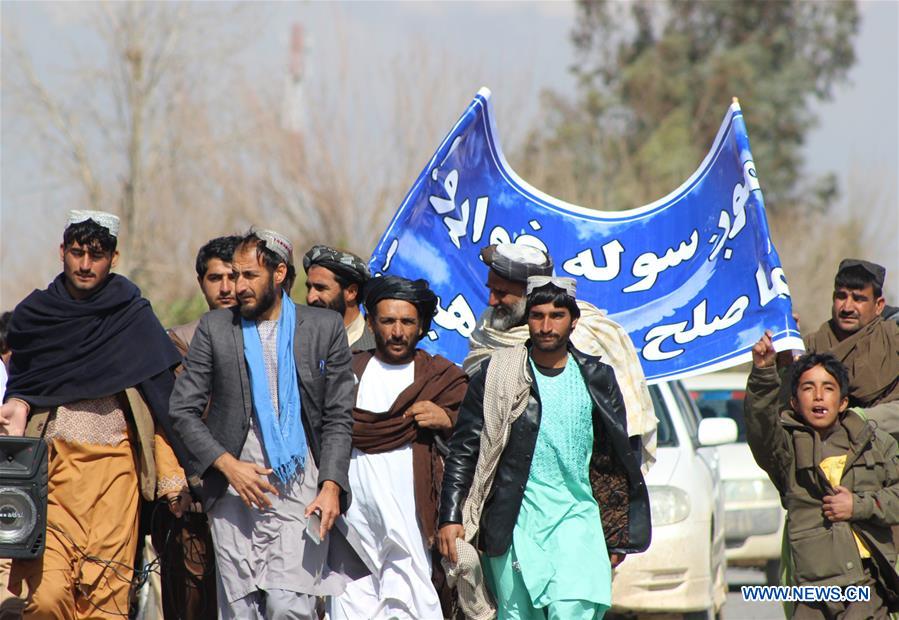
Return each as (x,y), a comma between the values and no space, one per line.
(766,437)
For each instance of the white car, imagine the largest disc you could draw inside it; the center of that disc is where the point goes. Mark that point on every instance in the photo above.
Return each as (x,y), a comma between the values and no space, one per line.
(683,571)
(753,516)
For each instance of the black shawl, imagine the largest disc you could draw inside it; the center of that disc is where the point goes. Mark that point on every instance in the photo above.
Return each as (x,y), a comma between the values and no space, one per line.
(65,350)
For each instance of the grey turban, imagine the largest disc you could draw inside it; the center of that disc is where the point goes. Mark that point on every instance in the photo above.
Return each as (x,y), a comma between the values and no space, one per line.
(517,262)
(878,272)
(416,292)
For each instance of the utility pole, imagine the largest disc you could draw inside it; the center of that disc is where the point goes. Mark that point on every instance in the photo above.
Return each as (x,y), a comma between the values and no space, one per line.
(293,113)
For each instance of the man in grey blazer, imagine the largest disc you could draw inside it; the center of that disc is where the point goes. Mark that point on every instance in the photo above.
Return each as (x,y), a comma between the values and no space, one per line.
(273,453)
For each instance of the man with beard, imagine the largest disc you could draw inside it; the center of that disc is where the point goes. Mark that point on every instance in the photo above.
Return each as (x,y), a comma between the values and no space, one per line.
(541,472)
(91,369)
(504,324)
(868,346)
(269,461)
(405,400)
(183,540)
(334,280)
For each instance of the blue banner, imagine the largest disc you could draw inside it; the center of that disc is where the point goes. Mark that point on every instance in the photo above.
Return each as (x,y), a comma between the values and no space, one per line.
(693,277)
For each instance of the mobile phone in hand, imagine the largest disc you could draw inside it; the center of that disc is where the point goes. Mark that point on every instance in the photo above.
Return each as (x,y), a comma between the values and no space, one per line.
(314,527)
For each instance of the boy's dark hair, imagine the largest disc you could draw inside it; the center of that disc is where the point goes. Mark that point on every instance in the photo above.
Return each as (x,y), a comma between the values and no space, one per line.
(270,259)
(832,365)
(221,248)
(549,293)
(856,278)
(4,331)
(89,233)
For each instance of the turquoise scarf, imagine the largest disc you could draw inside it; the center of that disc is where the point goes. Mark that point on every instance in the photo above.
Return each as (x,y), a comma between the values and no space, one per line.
(283,436)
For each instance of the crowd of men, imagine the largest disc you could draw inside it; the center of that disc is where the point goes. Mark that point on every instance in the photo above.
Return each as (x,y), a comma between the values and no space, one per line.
(314,459)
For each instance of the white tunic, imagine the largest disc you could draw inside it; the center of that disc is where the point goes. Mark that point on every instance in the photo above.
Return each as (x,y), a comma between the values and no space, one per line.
(383,513)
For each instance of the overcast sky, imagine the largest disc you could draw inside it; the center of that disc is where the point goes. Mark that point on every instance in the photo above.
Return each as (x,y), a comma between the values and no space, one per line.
(511,47)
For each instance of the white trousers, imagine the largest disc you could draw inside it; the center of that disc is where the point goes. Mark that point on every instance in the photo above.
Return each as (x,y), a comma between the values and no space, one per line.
(383,514)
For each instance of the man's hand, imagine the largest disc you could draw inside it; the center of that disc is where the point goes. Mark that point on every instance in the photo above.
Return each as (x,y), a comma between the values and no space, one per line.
(13,417)
(763,354)
(838,507)
(429,415)
(178,501)
(446,540)
(247,479)
(328,505)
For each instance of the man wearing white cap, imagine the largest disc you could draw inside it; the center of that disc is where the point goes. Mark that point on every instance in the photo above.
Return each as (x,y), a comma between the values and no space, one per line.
(504,324)
(91,371)
(540,470)
(270,459)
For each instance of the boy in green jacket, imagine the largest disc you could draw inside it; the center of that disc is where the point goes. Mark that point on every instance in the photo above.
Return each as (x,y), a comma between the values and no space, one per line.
(838,478)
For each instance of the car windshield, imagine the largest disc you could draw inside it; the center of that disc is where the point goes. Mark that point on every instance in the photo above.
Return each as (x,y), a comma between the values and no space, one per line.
(722,404)
(665,435)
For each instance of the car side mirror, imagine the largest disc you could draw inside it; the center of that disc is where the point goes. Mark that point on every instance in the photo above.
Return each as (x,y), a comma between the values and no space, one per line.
(717,431)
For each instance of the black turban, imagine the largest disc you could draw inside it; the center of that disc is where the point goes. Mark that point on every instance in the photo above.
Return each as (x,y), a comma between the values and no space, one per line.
(416,292)
(344,264)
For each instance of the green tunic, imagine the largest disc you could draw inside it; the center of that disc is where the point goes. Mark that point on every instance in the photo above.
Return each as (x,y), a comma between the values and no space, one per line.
(558,554)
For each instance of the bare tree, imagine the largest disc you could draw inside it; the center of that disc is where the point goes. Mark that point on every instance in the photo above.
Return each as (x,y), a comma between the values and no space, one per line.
(122,125)
(159,123)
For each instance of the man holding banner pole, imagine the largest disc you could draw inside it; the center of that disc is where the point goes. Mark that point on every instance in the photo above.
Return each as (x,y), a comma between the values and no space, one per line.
(504,324)
(857,335)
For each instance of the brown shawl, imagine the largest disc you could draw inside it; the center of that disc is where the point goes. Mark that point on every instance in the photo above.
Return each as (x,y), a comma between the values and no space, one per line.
(872,356)
(443,383)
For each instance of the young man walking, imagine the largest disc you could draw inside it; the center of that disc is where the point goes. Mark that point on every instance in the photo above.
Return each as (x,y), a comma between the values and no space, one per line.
(557,498)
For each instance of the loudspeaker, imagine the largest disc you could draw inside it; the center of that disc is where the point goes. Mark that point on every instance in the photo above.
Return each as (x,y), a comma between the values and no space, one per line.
(23,497)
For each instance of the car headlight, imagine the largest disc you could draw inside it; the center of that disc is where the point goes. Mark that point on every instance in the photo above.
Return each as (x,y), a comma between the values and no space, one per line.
(750,491)
(668,505)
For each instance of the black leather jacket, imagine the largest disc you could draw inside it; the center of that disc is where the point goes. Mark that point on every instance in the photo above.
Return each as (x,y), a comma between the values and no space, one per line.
(615,475)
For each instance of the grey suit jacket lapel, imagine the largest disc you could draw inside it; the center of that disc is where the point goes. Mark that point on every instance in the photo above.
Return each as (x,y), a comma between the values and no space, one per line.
(300,343)
(237,332)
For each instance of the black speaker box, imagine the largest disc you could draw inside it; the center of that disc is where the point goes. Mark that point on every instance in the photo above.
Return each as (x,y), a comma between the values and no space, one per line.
(23,497)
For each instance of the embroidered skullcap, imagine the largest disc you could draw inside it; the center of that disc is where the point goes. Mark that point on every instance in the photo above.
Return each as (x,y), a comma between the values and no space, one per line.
(277,243)
(876,271)
(568,285)
(107,220)
(344,264)
(517,262)
(416,292)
